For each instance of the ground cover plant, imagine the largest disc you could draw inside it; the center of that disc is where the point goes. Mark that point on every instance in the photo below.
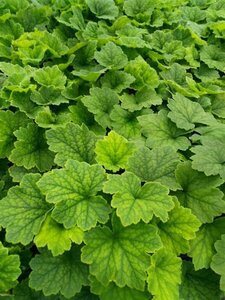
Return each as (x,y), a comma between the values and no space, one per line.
(112,149)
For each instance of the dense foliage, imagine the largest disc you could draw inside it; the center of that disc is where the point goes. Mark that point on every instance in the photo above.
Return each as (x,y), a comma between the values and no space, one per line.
(112,149)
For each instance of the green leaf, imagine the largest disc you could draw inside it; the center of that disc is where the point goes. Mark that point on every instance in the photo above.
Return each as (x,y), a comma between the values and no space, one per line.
(72,142)
(160,131)
(218,261)
(100,103)
(85,295)
(199,193)
(143,73)
(145,97)
(131,36)
(117,80)
(111,56)
(113,292)
(173,51)
(200,285)
(179,229)
(31,149)
(74,189)
(10,122)
(216,130)
(113,151)
(89,73)
(218,106)
(164,275)
(23,210)
(134,202)
(34,16)
(65,273)
(48,96)
(213,56)
(10,30)
(46,118)
(91,31)
(158,164)
(135,7)
(72,18)
(79,114)
(16,77)
(24,292)
(186,113)
(56,237)
(102,9)
(120,255)
(9,269)
(210,159)
(17,173)
(50,77)
(85,55)
(25,104)
(125,122)
(202,247)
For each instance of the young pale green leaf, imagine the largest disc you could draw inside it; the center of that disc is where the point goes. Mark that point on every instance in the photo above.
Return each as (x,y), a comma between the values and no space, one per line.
(23,210)
(9,269)
(31,149)
(210,159)
(135,202)
(74,189)
(117,80)
(218,261)
(56,237)
(72,142)
(100,103)
(103,10)
(199,193)
(50,76)
(65,273)
(185,113)
(111,56)
(179,229)
(10,122)
(158,164)
(120,255)
(160,131)
(113,151)
(113,292)
(202,247)
(200,285)
(143,73)
(164,275)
